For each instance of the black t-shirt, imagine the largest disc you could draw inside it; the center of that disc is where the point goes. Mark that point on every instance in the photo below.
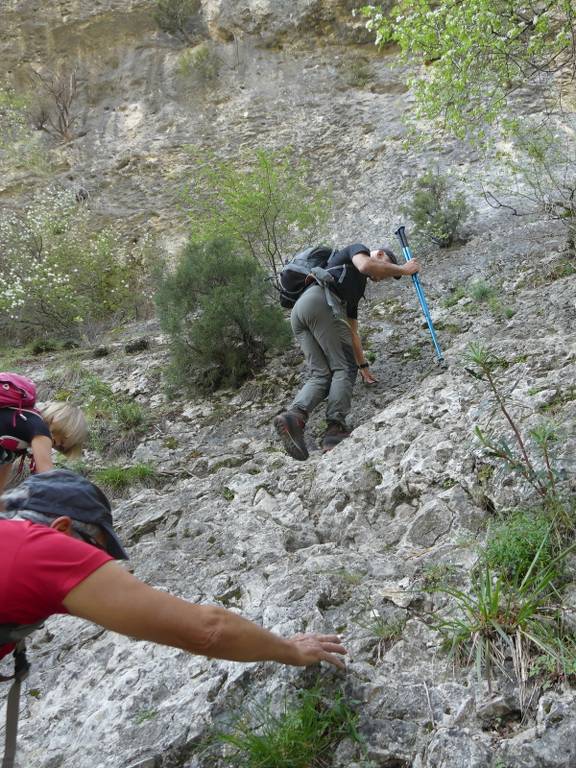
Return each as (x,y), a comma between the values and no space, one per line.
(353,285)
(17,430)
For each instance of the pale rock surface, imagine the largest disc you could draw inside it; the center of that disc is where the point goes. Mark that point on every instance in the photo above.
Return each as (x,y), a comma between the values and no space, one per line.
(347,540)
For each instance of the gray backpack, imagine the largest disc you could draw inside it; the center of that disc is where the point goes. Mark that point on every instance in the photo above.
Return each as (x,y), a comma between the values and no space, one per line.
(308,267)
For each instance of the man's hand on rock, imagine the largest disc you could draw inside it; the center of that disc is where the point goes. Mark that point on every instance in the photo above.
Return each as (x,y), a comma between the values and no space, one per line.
(367,377)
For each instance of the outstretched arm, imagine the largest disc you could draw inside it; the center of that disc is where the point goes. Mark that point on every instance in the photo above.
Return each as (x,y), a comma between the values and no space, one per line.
(116,600)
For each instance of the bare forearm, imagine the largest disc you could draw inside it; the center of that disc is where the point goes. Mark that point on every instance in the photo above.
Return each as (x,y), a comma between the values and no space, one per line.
(357,348)
(382,269)
(378,269)
(42,452)
(116,600)
(235,638)
(211,631)
(215,632)
(5,471)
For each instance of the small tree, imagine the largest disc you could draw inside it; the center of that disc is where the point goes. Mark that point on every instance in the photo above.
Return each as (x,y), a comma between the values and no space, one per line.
(55,112)
(265,204)
(200,65)
(437,212)
(530,460)
(215,309)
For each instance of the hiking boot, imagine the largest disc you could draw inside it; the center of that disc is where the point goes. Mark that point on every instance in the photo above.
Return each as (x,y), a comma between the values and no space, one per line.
(334,434)
(290,429)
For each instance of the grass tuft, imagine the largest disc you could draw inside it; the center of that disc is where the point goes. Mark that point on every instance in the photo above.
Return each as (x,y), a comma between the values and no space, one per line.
(121,478)
(303,735)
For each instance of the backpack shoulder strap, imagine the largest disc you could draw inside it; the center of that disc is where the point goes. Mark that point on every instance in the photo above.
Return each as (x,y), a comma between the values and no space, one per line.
(10,633)
(13,633)
(21,669)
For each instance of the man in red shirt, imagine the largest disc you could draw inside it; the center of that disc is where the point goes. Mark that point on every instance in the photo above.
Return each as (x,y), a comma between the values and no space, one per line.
(57,556)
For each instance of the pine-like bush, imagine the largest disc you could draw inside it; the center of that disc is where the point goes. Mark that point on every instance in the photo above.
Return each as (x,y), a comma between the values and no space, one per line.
(216,309)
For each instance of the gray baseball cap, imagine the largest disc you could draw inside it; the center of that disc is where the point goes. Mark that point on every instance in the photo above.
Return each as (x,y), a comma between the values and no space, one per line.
(61,492)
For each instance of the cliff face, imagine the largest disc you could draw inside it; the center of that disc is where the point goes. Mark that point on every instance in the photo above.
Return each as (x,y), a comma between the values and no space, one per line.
(283,79)
(351,540)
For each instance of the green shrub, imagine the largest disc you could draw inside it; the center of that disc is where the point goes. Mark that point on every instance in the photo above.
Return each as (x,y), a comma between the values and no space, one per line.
(117,423)
(266,204)
(304,735)
(12,116)
(59,277)
(201,63)
(437,213)
(180,18)
(20,145)
(356,71)
(41,346)
(499,310)
(435,576)
(129,414)
(470,57)
(457,293)
(499,620)
(543,159)
(481,291)
(215,309)
(515,541)
(11,358)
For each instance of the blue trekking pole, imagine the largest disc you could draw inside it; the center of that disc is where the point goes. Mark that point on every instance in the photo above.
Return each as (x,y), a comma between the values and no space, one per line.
(401,235)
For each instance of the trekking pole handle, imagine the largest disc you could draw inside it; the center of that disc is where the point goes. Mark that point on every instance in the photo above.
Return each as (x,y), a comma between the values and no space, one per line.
(401,235)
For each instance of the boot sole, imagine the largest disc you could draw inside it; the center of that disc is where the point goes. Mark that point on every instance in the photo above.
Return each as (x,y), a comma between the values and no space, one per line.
(292,448)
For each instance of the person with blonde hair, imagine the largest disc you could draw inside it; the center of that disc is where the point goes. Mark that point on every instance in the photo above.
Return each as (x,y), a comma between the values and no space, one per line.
(35,432)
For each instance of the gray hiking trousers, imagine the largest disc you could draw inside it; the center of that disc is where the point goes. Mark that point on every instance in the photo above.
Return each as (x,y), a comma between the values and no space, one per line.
(326,342)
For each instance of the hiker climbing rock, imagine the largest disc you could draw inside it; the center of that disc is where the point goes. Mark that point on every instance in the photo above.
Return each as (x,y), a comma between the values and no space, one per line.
(28,429)
(325,323)
(57,556)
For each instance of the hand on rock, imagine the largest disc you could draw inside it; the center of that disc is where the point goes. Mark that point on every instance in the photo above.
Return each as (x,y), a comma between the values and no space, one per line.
(367,376)
(314,648)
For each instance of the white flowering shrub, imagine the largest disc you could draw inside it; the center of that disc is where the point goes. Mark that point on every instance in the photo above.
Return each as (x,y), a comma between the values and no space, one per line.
(61,279)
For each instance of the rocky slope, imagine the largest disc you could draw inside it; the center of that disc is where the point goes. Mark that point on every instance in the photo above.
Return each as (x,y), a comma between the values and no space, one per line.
(351,540)
(348,541)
